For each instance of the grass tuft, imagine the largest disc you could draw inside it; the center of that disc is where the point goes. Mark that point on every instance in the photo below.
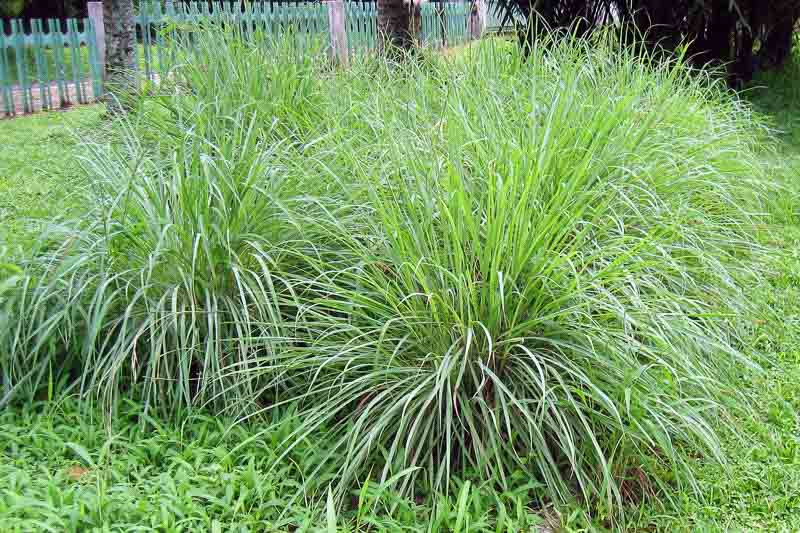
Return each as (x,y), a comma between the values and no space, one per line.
(523,274)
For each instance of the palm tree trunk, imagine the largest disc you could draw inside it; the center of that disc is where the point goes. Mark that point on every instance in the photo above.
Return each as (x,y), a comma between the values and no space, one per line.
(416,20)
(120,32)
(394,25)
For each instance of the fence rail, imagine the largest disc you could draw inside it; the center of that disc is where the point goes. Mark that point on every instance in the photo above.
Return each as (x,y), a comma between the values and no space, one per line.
(54,66)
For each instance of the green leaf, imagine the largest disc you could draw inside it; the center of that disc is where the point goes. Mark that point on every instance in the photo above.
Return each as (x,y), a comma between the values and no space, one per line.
(82,453)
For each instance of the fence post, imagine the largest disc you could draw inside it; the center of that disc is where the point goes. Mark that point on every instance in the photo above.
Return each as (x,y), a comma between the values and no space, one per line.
(338,30)
(96,14)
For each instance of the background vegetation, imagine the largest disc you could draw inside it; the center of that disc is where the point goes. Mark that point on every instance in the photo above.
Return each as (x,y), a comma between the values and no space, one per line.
(743,35)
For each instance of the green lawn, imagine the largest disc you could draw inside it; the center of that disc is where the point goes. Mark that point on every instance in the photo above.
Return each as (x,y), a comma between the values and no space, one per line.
(63,469)
(39,167)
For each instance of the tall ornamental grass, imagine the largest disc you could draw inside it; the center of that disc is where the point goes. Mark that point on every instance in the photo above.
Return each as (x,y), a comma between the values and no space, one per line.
(549,279)
(490,267)
(176,268)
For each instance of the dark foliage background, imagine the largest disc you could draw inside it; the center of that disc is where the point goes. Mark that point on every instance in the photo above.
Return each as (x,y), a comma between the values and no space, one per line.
(42,9)
(744,35)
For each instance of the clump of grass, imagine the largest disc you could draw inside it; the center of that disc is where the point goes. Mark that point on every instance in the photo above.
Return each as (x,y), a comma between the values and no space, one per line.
(549,281)
(177,269)
(267,78)
(504,269)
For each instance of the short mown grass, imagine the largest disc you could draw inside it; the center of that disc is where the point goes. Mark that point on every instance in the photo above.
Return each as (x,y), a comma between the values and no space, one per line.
(479,313)
(63,471)
(40,170)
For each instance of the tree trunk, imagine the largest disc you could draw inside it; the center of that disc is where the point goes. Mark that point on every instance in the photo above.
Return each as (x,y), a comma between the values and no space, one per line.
(394,25)
(416,20)
(743,68)
(120,77)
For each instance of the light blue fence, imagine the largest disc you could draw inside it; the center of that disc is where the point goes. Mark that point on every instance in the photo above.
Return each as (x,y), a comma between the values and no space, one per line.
(52,66)
(56,64)
(157,23)
(495,19)
(361,23)
(445,23)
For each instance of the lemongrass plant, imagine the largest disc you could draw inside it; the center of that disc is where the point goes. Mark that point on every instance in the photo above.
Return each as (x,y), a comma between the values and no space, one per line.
(550,280)
(176,266)
(494,266)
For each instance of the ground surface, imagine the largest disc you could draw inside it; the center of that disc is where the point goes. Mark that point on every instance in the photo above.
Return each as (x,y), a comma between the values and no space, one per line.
(62,469)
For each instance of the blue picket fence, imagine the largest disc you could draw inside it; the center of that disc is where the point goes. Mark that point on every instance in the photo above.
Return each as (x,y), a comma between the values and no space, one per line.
(445,23)
(158,24)
(361,22)
(52,66)
(55,64)
(496,20)
(307,22)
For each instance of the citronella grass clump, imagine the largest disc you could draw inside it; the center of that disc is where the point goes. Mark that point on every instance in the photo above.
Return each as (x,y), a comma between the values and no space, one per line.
(548,282)
(521,270)
(175,272)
